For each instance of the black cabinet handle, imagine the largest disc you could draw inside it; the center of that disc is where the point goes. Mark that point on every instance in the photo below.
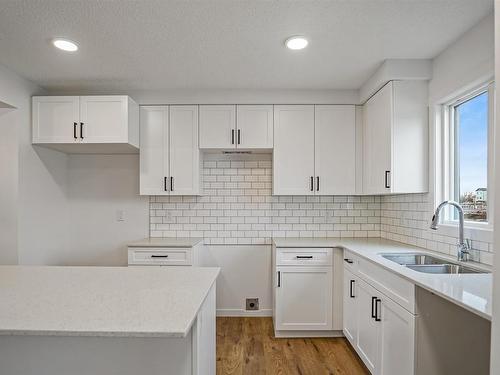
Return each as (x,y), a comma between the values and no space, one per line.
(171,183)
(165,183)
(279,279)
(387,184)
(312,183)
(304,257)
(350,261)
(377,301)
(74,130)
(317,183)
(374,299)
(351,289)
(239,136)
(159,256)
(232,136)
(81,130)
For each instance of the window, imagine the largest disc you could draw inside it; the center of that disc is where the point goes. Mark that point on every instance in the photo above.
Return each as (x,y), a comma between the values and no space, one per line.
(467,124)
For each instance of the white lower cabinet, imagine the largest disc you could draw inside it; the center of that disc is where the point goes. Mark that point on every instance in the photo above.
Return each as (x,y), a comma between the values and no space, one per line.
(304,298)
(350,314)
(381,331)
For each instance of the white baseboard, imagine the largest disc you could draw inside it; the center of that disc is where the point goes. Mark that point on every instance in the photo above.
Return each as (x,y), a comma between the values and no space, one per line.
(240,312)
(292,334)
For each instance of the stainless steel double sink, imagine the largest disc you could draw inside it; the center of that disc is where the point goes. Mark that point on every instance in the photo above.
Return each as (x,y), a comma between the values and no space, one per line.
(427,263)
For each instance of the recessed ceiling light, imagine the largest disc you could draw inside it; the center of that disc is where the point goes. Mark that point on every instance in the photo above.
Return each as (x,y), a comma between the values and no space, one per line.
(296,42)
(65,45)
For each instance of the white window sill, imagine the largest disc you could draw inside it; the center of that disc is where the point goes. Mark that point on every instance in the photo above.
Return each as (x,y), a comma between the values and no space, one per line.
(473,233)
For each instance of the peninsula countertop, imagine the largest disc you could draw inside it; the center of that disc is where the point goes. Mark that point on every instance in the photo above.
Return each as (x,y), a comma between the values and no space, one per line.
(471,291)
(102,301)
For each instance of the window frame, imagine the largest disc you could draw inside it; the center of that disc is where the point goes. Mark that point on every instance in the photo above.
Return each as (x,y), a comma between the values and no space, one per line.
(447,180)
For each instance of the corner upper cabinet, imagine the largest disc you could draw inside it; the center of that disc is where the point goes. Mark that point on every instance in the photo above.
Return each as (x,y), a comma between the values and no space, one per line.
(395,139)
(236,127)
(86,124)
(169,156)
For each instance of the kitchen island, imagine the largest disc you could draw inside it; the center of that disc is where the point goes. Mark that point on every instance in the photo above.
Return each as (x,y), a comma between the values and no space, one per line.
(107,320)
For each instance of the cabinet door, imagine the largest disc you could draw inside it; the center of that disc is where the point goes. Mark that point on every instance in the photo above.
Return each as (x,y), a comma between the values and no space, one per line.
(350,314)
(367,343)
(293,159)
(304,298)
(184,152)
(154,150)
(254,125)
(104,119)
(217,126)
(377,140)
(335,149)
(397,332)
(56,119)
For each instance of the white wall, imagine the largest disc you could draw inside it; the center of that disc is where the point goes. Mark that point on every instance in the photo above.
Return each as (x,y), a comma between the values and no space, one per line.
(245,273)
(465,63)
(98,187)
(32,184)
(495,333)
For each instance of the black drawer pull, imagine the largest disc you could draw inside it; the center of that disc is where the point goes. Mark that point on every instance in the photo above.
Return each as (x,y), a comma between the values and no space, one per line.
(387,184)
(304,257)
(351,289)
(81,130)
(159,256)
(165,183)
(377,301)
(74,130)
(374,316)
(279,279)
(350,261)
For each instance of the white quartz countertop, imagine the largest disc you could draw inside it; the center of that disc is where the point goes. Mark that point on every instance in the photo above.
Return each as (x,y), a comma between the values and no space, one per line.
(166,242)
(102,301)
(471,291)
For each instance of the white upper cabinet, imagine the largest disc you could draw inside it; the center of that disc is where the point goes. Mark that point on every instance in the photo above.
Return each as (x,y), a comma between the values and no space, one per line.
(184,152)
(217,126)
(86,124)
(169,156)
(56,119)
(314,150)
(395,139)
(241,126)
(104,119)
(293,159)
(335,149)
(254,126)
(154,171)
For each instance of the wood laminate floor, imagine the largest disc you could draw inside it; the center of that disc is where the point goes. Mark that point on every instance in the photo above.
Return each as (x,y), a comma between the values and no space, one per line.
(247,346)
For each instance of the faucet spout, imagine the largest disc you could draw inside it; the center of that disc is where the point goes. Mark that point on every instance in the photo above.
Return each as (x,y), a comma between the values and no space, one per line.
(463,246)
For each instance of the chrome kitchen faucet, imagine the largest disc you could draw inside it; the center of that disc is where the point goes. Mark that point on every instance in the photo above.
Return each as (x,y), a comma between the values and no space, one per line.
(463,245)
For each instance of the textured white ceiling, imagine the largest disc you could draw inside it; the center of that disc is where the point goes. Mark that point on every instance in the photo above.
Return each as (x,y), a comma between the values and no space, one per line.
(160,44)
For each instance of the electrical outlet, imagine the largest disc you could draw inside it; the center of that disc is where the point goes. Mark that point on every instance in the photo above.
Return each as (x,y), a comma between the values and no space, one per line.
(252,304)
(120,215)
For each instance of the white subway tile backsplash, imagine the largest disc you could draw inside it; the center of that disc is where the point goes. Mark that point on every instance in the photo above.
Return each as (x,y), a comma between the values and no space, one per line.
(237,208)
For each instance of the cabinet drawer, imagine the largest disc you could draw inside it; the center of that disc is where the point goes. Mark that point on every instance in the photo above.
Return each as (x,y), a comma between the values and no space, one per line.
(303,256)
(159,256)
